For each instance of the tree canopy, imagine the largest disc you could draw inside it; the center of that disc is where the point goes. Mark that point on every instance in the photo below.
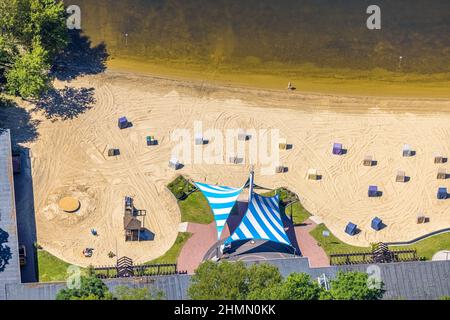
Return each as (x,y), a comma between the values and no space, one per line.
(355,286)
(33,33)
(91,288)
(235,281)
(232,281)
(28,75)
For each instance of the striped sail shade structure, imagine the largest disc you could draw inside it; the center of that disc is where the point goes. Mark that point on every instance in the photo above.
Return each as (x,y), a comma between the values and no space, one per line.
(221,200)
(262,221)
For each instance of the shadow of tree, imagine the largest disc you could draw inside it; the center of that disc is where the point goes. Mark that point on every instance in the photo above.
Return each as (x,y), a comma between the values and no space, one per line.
(65,103)
(79,58)
(18,120)
(5,251)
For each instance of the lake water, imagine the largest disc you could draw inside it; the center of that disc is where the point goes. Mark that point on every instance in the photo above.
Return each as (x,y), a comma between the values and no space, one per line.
(246,33)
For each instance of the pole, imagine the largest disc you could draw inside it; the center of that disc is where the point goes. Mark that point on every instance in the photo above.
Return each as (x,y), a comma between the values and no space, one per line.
(250,189)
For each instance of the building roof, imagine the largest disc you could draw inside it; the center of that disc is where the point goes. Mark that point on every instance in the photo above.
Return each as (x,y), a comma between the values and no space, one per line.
(9,257)
(131,223)
(407,280)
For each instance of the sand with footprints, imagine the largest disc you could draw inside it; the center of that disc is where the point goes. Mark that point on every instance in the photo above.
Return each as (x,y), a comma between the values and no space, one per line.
(70,159)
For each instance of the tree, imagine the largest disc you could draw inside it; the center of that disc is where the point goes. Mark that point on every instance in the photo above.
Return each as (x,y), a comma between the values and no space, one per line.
(128,293)
(299,286)
(218,281)
(91,288)
(264,282)
(233,281)
(25,21)
(29,75)
(47,22)
(32,33)
(355,286)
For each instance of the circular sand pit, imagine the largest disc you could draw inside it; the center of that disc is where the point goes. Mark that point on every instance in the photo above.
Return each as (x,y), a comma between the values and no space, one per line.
(69,204)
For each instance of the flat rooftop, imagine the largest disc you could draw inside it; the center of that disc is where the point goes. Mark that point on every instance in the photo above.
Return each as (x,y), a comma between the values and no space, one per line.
(9,251)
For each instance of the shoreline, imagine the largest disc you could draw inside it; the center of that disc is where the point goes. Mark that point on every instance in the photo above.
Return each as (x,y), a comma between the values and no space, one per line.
(287,100)
(323,84)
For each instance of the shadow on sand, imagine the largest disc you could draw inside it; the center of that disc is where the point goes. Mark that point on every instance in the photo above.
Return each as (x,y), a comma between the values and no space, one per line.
(67,103)
(80,58)
(19,121)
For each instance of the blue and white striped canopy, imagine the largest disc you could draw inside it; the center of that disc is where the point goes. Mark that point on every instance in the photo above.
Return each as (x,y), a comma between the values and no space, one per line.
(221,200)
(262,221)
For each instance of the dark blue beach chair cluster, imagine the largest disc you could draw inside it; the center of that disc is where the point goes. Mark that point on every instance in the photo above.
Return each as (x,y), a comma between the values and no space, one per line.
(373,191)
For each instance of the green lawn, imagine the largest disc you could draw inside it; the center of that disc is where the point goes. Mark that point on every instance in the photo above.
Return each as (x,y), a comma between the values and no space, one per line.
(428,247)
(171,256)
(193,207)
(51,268)
(331,244)
(299,214)
(425,248)
(180,187)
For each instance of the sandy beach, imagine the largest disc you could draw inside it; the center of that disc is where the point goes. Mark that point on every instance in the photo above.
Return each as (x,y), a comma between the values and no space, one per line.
(70,159)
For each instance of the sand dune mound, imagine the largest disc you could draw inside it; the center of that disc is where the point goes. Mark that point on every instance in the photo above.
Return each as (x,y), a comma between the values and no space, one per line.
(78,201)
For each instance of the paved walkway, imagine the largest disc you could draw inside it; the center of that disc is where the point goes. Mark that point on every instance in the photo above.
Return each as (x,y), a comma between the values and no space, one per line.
(308,245)
(204,236)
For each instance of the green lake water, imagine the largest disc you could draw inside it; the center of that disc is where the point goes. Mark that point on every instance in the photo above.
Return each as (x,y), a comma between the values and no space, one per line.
(311,37)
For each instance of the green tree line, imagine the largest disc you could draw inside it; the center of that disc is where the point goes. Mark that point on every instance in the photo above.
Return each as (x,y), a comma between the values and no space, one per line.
(236,281)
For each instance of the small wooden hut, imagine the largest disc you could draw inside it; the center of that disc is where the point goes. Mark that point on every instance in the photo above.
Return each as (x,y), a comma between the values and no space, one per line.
(280,169)
(199,139)
(421,219)
(132,226)
(439,159)
(407,151)
(243,136)
(368,161)
(174,163)
(442,173)
(401,176)
(312,174)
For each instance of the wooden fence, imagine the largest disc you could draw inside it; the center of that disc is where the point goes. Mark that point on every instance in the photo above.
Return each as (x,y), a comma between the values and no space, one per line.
(371,257)
(109,272)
